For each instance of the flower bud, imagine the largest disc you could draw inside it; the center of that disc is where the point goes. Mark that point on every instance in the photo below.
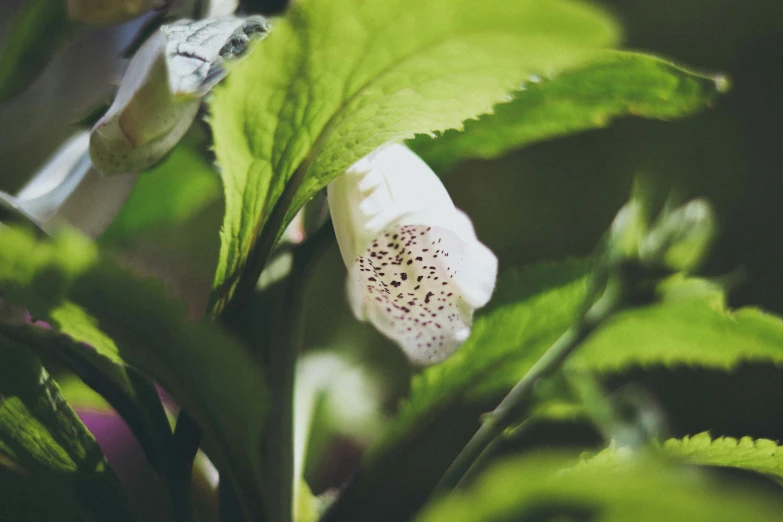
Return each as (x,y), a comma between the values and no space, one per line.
(146,120)
(627,231)
(681,238)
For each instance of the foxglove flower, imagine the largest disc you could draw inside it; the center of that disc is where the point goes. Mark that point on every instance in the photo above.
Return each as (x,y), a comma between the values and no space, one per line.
(416,269)
(162,88)
(67,189)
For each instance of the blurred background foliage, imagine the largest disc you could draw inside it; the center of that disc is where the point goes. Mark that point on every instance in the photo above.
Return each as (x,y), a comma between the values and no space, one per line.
(548,201)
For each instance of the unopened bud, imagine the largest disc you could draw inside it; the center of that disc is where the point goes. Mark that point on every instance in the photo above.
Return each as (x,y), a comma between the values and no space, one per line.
(627,231)
(681,239)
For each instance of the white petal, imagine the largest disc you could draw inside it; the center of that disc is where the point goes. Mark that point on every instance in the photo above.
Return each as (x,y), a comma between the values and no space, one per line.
(161,90)
(145,120)
(379,190)
(42,196)
(195,50)
(68,189)
(416,269)
(218,8)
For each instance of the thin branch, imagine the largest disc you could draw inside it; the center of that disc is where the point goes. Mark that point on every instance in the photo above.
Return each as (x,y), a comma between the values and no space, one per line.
(513,406)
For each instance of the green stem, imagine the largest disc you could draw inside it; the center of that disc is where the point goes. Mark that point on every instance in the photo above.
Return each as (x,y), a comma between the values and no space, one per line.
(591,395)
(185,444)
(277,447)
(229,508)
(175,475)
(513,406)
(262,250)
(279,361)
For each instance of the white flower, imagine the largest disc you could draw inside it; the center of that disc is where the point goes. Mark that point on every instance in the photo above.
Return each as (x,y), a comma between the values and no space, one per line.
(161,90)
(67,189)
(416,269)
(43,195)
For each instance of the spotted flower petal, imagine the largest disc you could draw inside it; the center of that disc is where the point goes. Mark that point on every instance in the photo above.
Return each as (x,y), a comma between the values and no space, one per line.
(416,269)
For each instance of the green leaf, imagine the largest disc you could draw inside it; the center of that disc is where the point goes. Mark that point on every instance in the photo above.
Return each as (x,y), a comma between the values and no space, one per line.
(73,321)
(167,195)
(209,374)
(760,455)
(38,30)
(43,442)
(610,85)
(37,275)
(78,343)
(80,396)
(541,488)
(691,327)
(336,78)
(532,307)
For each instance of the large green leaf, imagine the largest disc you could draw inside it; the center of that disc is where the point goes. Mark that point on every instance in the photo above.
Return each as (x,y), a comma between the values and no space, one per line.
(211,376)
(612,84)
(686,329)
(78,343)
(760,455)
(531,309)
(337,78)
(51,467)
(541,488)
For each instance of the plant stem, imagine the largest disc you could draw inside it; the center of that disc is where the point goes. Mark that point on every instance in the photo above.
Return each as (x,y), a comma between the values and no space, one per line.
(262,250)
(279,358)
(228,504)
(184,446)
(480,447)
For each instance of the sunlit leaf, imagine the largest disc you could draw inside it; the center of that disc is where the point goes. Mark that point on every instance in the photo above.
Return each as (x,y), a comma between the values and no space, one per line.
(542,488)
(312,99)
(51,467)
(611,85)
(209,374)
(760,455)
